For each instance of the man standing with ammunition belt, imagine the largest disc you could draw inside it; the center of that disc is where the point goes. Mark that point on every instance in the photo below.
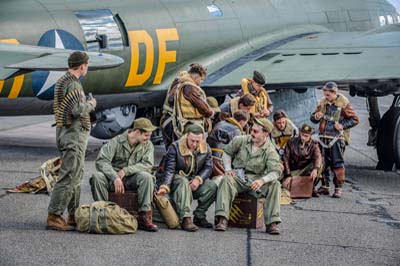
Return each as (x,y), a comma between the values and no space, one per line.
(71,110)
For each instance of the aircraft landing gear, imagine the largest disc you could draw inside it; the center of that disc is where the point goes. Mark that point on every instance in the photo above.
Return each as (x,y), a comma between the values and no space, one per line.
(374,119)
(388,139)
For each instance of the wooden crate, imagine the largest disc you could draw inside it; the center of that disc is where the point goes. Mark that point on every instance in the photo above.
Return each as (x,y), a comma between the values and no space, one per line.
(247,212)
(128,201)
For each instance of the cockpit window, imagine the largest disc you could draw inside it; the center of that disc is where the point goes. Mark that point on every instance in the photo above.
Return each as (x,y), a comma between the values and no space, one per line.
(214,10)
(100,30)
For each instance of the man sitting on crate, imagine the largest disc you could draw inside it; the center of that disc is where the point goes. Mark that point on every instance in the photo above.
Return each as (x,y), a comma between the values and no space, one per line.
(302,157)
(223,132)
(256,169)
(125,163)
(188,166)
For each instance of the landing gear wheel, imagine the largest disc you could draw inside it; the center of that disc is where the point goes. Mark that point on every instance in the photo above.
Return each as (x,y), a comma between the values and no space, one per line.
(388,142)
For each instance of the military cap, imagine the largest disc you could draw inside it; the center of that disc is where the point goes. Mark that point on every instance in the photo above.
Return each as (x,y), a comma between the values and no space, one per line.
(265,123)
(143,124)
(194,128)
(77,58)
(258,77)
(213,103)
(305,128)
(330,86)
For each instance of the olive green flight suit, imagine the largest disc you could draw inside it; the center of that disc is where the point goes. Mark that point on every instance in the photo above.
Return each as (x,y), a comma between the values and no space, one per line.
(183,196)
(135,161)
(256,165)
(71,142)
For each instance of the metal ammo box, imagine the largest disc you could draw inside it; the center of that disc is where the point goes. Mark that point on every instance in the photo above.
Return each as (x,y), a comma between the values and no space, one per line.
(128,201)
(247,212)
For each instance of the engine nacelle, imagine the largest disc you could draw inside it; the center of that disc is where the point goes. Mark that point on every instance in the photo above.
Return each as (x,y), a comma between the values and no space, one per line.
(111,122)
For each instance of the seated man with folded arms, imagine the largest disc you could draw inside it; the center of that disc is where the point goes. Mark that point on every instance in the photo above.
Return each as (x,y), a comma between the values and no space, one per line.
(302,157)
(125,163)
(252,166)
(187,169)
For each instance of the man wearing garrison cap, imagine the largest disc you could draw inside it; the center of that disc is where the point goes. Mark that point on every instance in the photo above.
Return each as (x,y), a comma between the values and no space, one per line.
(188,167)
(125,163)
(335,116)
(255,86)
(302,156)
(71,110)
(252,166)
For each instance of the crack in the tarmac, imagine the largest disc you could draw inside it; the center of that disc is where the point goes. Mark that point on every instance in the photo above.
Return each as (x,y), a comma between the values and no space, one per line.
(380,212)
(363,153)
(2,196)
(333,245)
(22,172)
(327,211)
(248,248)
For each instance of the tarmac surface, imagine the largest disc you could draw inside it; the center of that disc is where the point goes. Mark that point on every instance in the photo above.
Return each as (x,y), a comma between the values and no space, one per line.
(362,228)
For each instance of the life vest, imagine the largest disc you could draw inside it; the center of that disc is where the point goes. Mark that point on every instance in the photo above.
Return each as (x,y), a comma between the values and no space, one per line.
(280,138)
(234,105)
(340,102)
(167,108)
(183,111)
(261,99)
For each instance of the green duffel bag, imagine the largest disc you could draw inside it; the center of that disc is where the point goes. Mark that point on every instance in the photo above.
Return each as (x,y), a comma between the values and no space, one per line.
(104,217)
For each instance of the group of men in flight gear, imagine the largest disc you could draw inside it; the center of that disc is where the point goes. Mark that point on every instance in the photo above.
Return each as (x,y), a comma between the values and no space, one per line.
(213,152)
(298,153)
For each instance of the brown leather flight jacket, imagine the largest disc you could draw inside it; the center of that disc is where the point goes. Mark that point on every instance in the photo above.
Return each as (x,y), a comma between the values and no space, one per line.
(180,160)
(297,157)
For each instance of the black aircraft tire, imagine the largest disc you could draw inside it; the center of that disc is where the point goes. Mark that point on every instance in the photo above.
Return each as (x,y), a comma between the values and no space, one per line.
(388,142)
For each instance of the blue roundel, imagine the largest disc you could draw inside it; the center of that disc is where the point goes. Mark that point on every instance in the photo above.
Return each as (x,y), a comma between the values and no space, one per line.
(43,81)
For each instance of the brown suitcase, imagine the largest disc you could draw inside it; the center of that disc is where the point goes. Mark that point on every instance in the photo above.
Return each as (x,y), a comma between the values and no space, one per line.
(301,187)
(128,201)
(247,212)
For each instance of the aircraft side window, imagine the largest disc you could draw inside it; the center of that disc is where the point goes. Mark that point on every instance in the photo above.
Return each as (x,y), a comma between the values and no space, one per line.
(100,30)
(390,19)
(382,20)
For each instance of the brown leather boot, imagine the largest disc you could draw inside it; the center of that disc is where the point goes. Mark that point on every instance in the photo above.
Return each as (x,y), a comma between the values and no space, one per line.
(202,222)
(272,229)
(188,225)
(337,193)
(146,221)
(71,220)
(56,222)
(222,224)
(323,190)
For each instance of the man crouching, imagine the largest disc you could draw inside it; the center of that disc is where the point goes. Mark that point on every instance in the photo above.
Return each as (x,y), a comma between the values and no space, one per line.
(256,168)
(125,163)
(188,166)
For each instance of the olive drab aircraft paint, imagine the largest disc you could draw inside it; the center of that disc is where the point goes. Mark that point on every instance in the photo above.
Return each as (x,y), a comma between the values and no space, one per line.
(137,48)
